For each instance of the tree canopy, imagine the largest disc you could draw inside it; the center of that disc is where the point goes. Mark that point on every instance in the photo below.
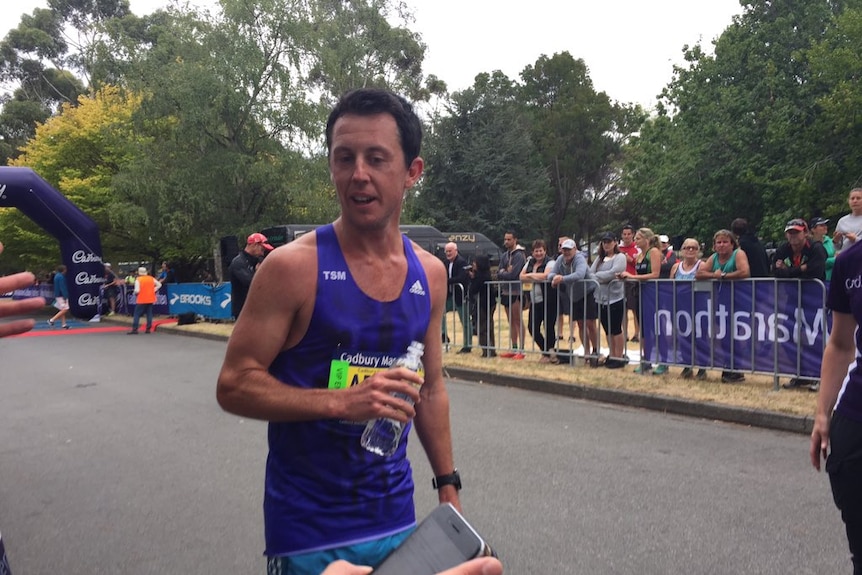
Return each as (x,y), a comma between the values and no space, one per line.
(179,127)
(745,132)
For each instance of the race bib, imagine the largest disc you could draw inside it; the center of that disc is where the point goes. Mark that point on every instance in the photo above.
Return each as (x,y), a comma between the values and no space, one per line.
(352,368)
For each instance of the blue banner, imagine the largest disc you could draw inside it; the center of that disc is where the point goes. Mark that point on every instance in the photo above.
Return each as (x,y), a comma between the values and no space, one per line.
(769,326)
(211,301)
(44,290)
(129,298)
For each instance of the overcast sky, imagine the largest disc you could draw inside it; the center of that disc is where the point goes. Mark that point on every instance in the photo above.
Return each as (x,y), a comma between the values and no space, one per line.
(630,46)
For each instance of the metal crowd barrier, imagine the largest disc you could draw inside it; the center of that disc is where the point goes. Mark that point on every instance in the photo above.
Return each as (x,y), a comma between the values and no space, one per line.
(768,326)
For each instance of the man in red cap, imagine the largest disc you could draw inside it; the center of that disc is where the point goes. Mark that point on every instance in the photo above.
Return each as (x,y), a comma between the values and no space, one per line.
(242,268)
(799,258)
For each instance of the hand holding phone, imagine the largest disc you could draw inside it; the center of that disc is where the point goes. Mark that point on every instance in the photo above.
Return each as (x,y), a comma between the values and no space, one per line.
(443,540)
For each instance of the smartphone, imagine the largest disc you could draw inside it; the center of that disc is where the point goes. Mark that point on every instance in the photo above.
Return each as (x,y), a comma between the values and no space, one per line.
(442,540)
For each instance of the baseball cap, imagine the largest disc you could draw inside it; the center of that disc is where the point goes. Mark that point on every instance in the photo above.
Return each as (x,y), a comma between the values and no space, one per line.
(568,245)
(257,238)
(107,265)
(796,224)
(818,222)
(609,236)
(664,239)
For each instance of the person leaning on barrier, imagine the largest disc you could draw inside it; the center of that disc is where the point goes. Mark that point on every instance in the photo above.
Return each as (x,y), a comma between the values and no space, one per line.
(610,295)
(800,258)
(543,300)
(685,269)
(576,295)
(728,262)
(563,312)
(837,431)
(647,267)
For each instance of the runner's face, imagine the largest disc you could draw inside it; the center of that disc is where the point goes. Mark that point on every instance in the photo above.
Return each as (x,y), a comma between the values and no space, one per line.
(366,164)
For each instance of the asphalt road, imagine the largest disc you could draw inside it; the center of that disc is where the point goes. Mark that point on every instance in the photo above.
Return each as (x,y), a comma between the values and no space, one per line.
(116,459)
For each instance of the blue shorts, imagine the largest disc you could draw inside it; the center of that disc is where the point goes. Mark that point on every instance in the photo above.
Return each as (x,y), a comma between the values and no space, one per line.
(369,553)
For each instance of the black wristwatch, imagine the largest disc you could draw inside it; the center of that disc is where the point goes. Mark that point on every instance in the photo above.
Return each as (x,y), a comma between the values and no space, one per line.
(453,479)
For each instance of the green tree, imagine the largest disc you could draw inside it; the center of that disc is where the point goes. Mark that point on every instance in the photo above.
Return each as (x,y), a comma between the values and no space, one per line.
(483,172)
(44,60)
(374,54)
(579,133)
(78,152)
(837,62)
(737,129)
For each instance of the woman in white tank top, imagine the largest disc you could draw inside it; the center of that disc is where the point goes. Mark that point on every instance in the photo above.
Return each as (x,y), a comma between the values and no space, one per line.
(685,269)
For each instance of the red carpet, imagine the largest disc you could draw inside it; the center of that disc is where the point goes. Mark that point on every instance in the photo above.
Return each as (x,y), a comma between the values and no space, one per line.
(76,327)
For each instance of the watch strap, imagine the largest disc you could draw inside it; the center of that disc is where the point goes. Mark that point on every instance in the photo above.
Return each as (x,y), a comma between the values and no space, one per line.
(453,479)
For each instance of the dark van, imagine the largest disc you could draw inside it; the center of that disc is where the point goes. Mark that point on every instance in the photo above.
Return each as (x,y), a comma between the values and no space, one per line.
(471,244)
(280,235)
(429,238)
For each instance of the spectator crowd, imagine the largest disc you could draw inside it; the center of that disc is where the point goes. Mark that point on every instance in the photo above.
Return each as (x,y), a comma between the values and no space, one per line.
(598,293)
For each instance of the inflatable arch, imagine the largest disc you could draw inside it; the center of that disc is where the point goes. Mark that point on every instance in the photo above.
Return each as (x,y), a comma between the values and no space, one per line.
(80,246)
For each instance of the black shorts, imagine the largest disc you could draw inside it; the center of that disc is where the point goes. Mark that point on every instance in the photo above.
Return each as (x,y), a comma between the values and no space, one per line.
(585,308)
(844,466)
(612,316)
(508,299)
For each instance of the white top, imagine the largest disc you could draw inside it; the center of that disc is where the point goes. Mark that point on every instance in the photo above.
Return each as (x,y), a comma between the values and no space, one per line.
(852,224)
(686,274)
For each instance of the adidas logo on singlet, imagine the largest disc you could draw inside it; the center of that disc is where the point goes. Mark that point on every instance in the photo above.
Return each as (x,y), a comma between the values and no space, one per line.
(417,289)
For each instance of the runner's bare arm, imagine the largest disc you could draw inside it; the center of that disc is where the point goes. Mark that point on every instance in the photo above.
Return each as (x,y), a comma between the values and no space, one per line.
(275,318)
(432,413)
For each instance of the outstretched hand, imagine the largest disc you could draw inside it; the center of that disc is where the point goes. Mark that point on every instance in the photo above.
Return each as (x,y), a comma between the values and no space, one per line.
(19,307)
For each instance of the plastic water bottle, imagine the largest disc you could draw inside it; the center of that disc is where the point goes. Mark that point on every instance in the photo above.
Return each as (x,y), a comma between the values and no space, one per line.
(382,436)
